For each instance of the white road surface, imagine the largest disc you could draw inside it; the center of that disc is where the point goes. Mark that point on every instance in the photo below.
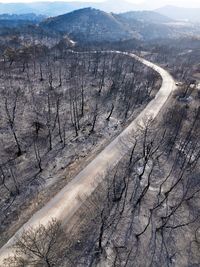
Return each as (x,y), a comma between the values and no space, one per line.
(64,205)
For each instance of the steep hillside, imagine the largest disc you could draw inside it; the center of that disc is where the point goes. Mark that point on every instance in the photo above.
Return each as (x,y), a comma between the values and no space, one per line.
(93,25)
(89,24)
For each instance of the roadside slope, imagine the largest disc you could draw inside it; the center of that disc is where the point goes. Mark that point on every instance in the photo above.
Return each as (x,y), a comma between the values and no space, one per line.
(64,205)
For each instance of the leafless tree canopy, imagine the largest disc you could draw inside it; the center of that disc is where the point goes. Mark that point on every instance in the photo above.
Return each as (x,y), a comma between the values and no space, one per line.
(147,212)
(41,246)
(56,107)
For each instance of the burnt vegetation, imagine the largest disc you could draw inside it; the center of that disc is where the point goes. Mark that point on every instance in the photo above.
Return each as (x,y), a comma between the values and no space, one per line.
(62,102)
(147,211)
(57,106)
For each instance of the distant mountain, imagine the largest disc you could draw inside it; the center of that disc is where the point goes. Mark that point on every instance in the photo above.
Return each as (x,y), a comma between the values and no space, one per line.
(88,24)
(146,16)
(57,8)
(13,24)
(146,28)
(117,6)
(13,21)
(26,17)
(92,25)
(179,13)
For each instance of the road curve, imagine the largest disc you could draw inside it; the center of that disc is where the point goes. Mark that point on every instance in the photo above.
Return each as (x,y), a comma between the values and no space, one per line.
(64,205)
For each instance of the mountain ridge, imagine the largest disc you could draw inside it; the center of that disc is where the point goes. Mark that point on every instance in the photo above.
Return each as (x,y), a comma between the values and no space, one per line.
(89,24)
(94,25)
(58,8)
(52,8)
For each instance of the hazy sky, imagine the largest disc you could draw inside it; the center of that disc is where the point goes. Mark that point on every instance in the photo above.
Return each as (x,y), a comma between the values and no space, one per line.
(184,3)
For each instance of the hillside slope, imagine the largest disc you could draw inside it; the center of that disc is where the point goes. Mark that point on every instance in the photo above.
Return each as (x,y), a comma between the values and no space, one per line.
(94,25)
(146,16)
(89,24)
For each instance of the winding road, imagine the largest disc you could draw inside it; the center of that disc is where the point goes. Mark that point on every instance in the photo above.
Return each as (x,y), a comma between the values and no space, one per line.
(64,205)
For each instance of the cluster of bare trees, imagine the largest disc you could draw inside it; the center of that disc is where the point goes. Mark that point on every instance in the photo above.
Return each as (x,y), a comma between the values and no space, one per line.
(147,211)
(50,98)
(42,246)
(181,57)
